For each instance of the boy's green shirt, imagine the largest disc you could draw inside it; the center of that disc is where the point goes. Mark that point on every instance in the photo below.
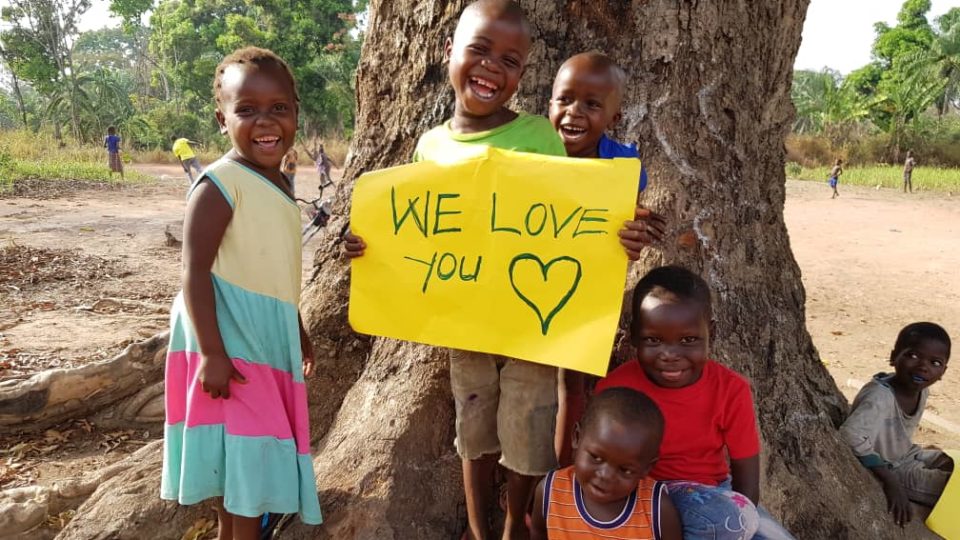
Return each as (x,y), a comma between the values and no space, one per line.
(525,133)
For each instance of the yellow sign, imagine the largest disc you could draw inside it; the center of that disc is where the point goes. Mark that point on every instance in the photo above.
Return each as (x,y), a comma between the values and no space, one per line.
(945,518)
(501,252)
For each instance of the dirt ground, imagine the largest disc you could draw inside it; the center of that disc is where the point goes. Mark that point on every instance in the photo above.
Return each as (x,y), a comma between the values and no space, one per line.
(103,264)
(87,271)
(874,261)
(83,272)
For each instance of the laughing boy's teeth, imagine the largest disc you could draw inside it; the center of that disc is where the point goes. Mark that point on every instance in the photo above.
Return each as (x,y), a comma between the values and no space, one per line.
(919,379)
(483,87)
(485,83)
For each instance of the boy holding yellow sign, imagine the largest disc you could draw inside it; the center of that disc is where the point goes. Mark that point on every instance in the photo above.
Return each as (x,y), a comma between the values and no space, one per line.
(886,414)
(503,405)
(510,409)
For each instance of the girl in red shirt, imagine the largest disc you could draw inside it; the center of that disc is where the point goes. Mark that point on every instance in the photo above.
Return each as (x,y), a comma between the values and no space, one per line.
(710,455)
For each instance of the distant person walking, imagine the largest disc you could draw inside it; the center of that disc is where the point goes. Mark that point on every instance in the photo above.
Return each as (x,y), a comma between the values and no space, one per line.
(288,166)
(908,166)
(188,159)
(112,143)
(322,162)
(835,173)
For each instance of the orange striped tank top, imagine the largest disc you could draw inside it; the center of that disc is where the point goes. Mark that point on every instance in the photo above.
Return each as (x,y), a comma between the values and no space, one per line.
(568,519)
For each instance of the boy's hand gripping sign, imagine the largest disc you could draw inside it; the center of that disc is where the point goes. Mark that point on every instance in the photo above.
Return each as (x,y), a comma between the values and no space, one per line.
(501,252)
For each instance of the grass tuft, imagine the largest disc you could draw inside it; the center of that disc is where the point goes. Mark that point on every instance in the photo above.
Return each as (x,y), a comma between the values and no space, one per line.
(888,176)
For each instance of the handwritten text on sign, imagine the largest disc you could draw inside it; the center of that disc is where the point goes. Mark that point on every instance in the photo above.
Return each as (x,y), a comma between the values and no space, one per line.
(509,253)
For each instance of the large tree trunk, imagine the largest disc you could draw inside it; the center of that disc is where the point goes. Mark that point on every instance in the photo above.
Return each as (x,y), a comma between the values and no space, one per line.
(708,99)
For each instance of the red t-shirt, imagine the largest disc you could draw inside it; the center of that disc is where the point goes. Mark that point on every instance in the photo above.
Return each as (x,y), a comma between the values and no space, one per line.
(703,419)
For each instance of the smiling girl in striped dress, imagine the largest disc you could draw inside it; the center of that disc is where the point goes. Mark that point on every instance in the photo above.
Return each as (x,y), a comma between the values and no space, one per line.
(236,401)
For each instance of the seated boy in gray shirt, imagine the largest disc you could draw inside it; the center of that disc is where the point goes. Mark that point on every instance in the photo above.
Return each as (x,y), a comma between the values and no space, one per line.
(886,413)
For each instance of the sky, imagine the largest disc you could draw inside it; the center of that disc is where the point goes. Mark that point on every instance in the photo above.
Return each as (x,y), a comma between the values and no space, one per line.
(839,33)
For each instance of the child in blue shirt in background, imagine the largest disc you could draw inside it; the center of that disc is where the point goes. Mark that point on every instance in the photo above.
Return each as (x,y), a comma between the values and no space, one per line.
(585,103)
(112,143)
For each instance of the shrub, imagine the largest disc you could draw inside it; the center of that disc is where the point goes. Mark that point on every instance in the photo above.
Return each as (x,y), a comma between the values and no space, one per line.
(793,169)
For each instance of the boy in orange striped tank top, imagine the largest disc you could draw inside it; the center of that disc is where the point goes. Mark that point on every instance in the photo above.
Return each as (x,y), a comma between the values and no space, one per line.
(606,493)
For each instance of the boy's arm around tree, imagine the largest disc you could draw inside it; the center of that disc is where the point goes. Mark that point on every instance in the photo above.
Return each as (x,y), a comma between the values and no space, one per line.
(646,228)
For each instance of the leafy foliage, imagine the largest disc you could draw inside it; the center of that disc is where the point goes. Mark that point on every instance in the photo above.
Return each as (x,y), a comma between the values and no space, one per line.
(915,68)
(152,77)
(313,36)
(825,104)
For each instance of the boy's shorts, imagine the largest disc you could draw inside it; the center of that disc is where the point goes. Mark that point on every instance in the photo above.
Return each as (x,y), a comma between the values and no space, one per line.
(507,406)
(924,485)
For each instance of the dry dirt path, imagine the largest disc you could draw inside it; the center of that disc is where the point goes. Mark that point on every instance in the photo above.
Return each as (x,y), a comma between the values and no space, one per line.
(872,262)
(84,273)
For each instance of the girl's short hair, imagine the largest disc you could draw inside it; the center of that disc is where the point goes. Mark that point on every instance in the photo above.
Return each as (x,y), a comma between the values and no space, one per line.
(676,281)
(252,55)
(914,333)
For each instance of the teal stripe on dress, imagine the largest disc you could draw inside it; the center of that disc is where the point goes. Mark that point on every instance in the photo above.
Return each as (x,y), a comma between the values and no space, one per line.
(255,327)
(253,474)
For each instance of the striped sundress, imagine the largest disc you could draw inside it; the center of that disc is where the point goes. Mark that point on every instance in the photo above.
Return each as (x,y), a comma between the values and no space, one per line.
(253,448)
(567,516)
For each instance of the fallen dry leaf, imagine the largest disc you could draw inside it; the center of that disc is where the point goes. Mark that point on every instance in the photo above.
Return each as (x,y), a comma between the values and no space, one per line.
(199,529)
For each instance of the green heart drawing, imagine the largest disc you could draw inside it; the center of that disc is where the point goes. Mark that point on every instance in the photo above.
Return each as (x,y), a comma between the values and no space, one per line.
(544,270)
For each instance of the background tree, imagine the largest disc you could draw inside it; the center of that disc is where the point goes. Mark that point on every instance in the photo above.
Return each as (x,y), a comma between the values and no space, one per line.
(159,63)
(38,46)
(940,63)
(828,105)
(16,92)
(915,68)
(313,36)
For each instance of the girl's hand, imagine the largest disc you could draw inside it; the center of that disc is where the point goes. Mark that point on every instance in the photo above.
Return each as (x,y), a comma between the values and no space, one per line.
(306,349)
(216,372)
(646,228)
(353,245)
(897,502)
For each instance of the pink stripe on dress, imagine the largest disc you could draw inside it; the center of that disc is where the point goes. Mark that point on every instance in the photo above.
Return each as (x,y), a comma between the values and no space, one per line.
(271,403)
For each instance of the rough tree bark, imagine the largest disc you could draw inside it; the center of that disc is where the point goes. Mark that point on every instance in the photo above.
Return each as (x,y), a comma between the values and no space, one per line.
(708,99)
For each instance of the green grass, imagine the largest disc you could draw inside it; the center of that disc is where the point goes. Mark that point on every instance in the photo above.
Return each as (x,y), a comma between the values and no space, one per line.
(14,170)
(26,156)
(924,178)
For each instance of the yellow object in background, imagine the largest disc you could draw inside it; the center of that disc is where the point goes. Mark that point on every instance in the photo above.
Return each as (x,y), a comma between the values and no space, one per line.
(945,517)
(501,252)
